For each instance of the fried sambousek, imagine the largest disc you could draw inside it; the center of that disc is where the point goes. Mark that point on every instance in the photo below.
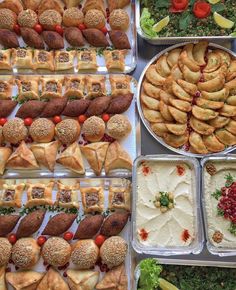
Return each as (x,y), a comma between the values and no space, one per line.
(74,36)
(94,4)
(119,39)
(2,278)
(89,227)
(76,108)
(114,224)
(13,5)
(59,224)
(119,104)
(82,279)
(197,143)
(54,107)
(6,107)
(31,109)
(30,223)
(8,39)
(24,280)
(98,106)
(53,39)
(5,153)
(57,5)
(32,38)
(225,137)
(52,280)
(7,223)
(95,37)
(31,4)
(212,143)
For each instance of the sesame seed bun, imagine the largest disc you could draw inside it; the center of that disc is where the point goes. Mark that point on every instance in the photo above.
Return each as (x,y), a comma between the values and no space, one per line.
(42,130)
(14,131)
(5,251)
(94,18)
(27,18)
(7,19)
(73,17)
(119,20)
(94,129)
(118,126)
(49,19)
(68,131)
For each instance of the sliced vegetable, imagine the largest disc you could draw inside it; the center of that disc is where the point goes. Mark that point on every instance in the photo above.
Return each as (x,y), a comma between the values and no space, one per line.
(165,285)
(180,4)
(161,24)
(222,21)
(201,9)
(146,23)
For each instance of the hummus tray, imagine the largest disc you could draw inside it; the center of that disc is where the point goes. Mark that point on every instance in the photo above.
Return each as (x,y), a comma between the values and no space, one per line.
(157,96)
(18,96)
(218,181)
(166,216)
(53,205)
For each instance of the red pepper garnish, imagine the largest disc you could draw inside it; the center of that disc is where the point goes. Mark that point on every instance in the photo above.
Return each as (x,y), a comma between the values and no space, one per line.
(143,234)
(201,9)
(185,235)
(180,170)
(178,6)
(146,170)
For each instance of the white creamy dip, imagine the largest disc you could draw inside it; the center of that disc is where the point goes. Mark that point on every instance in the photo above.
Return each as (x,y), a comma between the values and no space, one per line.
(166,229)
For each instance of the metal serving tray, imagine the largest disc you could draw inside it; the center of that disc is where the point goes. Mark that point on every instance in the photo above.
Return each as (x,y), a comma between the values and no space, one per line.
(197,245)
(174,40)
(146,123)
(220,251)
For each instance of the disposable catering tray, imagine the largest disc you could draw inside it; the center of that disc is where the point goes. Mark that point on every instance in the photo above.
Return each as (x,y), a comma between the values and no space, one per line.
(105,184)
(196,246)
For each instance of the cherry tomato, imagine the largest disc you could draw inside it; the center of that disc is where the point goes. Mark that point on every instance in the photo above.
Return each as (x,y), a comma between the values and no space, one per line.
(28,121)
(3,121)
(57,119)
(12,238)
(16,28)
(38,28)
(105,117)
(82,26)
(82,118)
(104,30)
(41,240)
(59,29)
(99,240)
(68,236)
(201,9)
(180,4)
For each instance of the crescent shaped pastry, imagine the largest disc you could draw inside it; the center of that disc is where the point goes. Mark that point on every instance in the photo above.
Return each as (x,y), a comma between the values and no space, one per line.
(166,97)
(180,92)
(64,60)
(154,77)
(176,72)
(201,127)
(179,116)
(167,86)
(159,129)
(197,143)
(213,62)
(177,129)
(52,280)
(231,100)
(164,110)
(11,195)
(190,63)
(85,279)
(191,76)
(43,59)
(67,195)
(206,104)
(213,85)
(222,70)
(174,140)
(149,102)
(39,194)
(5,153)
(152,115)
(24,279)
(213,144)
(5,59)
(162,66)
(199,51)
(151,90)
(219,122)
(225,57)
(173,56)
(231,74)
(180,104)
(188,87)
(231,127)
(228,111)
(203,114)
(219,96)
(231,85)
(92,199)
(225,137)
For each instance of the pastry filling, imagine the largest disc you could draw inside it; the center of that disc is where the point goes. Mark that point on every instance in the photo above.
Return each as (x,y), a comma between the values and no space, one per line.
(92,199)
(21,53)
(3,87)
(38,192)
(121,85)
(74,84)
(42,57)
(65,195)
(86,56)
(63,57)
(115,56)
(51,87)
(118,198)
(26,86)
(96,87)
(9,194)
(1,56)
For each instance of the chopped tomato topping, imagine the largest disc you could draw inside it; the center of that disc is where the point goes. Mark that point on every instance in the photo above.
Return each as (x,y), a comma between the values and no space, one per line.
(143,234)
(146,170)
(180,170)
(185,235)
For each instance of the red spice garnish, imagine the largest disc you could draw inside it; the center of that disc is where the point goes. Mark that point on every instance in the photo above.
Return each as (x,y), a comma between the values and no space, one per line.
(143,234)
(180,170)
(146,170)
(185,235)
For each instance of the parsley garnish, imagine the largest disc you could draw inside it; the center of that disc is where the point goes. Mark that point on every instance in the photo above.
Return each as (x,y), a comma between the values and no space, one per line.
(6,210)
(229,180)
(216,194)
(232,229)
(220,212)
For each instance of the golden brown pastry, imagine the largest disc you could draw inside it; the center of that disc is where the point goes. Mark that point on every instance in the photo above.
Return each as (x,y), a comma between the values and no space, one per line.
(67,195)
(5,153)
(94,4)
(24,280)
(119,198)
(92,199)
(22,58)
(31,4)
(115,59)
(15,6)
(95,86)
(3,285)
(42,130)
(72,159)
(94,129)
(56,5)
(11,195)
(51,88)
(46,153)
(5,88)
(5,59)
(82,279)
(43,59)
(87,60)
(115,4)
(64,60)
(39,194)
(52,280)
(71,3)
(120,85)
(74,86)
(28,88)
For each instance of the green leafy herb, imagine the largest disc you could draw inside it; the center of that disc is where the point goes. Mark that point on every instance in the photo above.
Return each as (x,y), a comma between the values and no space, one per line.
(6,210)
(216,194)
(72,210)
(27,210)
(150,273)
(164,200)
(220,212)
(229,180)
(147,22)
(162,4)
(232,229)
(185,21)
(217,7)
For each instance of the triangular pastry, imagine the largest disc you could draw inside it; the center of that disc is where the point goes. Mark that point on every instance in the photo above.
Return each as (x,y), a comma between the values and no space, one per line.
(52,281)
(5,153)
(46,153)
(24,280)
(22,158)
(95,153)
(115,279)
(82,280)
(117,158)
(71,158)
(3,285)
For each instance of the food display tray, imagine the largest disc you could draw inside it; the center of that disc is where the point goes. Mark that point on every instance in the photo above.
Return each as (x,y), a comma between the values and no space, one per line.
(84,182)
(198,243)
(130,143)
(174,40)
(146,123)
(220,251)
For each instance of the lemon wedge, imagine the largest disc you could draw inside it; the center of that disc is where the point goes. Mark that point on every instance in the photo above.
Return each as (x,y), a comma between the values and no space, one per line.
(222,21)
(214,1)
(161,24)
(165,285)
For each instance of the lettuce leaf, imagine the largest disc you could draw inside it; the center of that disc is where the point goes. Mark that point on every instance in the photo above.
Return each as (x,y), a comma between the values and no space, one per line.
(146,23)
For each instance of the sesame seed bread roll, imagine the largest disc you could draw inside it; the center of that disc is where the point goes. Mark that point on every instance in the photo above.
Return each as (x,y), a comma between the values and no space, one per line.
(14,131)
(67,131)
(94,129)
(7,19)
(42,130)
(5,251)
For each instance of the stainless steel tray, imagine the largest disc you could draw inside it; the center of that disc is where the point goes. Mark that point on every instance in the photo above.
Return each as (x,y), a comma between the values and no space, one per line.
(146,123)
(174,40)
